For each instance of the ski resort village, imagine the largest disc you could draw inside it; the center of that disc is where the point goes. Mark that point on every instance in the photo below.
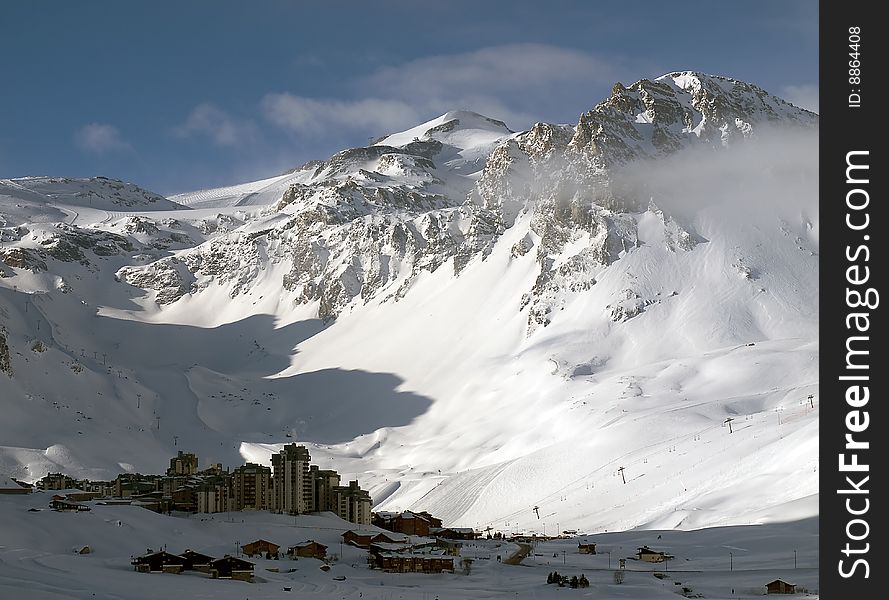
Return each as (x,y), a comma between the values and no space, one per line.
(450,357)
(293,531)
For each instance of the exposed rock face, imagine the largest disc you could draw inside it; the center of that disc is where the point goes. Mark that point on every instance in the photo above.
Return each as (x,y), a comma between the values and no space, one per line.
(5,365)
(99,192)
(23,258)
(65,243)
(368,220)
(68,244)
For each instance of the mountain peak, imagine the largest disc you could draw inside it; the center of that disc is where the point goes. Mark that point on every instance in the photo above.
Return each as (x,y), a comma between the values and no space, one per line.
(445,126)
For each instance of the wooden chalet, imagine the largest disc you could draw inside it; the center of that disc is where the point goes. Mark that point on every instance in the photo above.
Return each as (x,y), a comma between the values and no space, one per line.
(229,567)
(449,547)
(364,540)
(653,556)
(185,499)
(60,503)
(308,549)
(586,548)
(158,562)
(453,533)
(195,561)
(260,548)
(779,586)
(410,563)
(390,547)
(407,522)
(79,496)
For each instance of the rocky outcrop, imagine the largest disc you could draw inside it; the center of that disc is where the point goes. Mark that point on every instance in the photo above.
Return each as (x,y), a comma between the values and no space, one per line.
(364,223)
(23,258)
(5,364)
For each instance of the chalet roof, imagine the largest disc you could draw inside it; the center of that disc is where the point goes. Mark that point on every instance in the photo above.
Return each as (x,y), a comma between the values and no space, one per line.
(161,557)
(449,543)
(412,515)
(780,581)
(193,556)
(308,543)
(260,542)
(389,547)
(454,529)
(390,554)
(234,563)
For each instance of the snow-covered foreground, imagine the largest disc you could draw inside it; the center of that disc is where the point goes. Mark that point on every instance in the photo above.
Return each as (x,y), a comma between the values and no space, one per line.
(38,555)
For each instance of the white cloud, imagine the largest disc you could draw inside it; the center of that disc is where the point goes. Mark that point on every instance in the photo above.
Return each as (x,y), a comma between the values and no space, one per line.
(516,83)
(511,68)
(213,122)
(100,138)
(804,96)
(313,116)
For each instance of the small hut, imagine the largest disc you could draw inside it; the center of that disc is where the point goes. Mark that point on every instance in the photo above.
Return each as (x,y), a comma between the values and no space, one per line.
(779,586)
(653,556)
(308,549)
(260,548)
(229,567)
(158,562)
(195,561)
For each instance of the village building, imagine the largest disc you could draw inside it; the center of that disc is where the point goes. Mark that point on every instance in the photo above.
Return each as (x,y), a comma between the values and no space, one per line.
(323,482)
(81,496)
(213,494)
(260,548)
(586,548)
(250,487)
(407,522)
(171,483)
(229,567)
(352,503)
(653,556)
(291,486)
(56,481)
(60,503)
(154,501)
(184,498)
(158,562)
(100,488)
(454,533)
(779,586)
(364,540)
(308,549)
(410,563)
(195,561)
(127,485)
(451,547)
(184,463)
(213,470)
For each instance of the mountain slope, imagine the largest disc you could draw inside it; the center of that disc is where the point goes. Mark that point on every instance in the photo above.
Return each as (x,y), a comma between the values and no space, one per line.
(471,320)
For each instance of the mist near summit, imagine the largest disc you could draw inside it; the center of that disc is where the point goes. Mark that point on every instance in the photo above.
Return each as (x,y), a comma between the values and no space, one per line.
(773,174)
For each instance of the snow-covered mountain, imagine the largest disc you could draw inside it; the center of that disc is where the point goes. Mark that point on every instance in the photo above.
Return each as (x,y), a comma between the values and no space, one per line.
(475,321)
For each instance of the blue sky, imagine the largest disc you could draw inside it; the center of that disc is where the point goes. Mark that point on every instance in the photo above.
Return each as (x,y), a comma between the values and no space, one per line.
(182,95)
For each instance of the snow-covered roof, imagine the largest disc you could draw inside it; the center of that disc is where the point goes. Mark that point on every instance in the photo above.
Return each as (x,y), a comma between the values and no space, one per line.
(307,543)
(8,483)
